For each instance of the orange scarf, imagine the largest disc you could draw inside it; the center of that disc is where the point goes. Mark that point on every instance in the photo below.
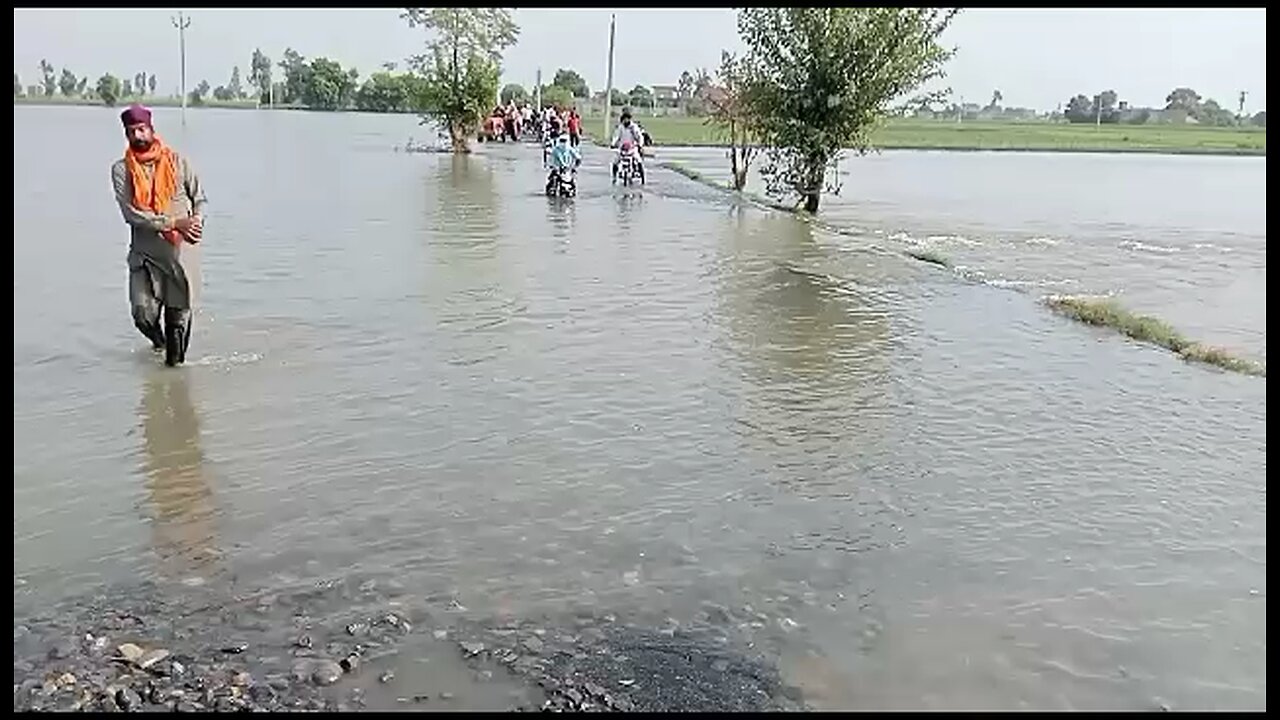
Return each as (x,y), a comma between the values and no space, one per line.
(154,192)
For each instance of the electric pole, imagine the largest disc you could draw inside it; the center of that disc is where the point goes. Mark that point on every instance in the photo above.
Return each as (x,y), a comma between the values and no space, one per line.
(182,23)
(608,92)
(1240,113)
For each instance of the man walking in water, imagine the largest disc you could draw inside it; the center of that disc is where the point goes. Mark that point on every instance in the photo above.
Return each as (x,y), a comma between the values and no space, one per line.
(162,202)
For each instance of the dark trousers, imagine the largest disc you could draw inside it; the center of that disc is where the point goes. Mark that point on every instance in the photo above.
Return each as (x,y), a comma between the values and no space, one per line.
(174,335)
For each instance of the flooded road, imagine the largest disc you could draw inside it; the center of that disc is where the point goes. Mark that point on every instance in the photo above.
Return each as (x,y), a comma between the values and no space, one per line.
(909,490)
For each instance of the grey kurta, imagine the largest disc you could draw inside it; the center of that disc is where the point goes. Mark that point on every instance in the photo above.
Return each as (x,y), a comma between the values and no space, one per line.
(170,274)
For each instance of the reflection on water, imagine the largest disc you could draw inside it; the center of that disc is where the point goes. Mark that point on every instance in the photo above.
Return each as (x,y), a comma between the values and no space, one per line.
(184,510)
(561,217)
(627,203)
(812,343)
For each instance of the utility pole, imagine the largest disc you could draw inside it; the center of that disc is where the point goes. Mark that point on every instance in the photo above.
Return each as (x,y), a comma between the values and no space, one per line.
(182,23)
(608,92)
(1240,113)
(537,91)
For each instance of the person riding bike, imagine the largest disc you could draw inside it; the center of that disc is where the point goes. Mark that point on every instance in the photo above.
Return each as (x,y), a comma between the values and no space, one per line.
(563,155)
(630,133)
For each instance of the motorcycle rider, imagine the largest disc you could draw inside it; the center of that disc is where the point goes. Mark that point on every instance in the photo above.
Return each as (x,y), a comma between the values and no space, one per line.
(627,131)
(564,155)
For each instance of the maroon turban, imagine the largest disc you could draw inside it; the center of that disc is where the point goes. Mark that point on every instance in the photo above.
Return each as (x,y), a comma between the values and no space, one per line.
(135,115)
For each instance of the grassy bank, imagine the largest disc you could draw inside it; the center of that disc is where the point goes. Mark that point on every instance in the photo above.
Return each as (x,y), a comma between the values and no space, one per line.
(1144,328)
(903,134)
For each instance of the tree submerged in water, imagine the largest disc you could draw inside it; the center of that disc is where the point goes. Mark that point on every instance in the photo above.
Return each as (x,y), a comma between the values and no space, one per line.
(461,66)
(817,81)
(729,112)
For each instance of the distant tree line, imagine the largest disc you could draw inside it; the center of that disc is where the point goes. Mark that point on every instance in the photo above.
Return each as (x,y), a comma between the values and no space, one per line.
(321,84)
(693,94)
(68,84)
(1181,104)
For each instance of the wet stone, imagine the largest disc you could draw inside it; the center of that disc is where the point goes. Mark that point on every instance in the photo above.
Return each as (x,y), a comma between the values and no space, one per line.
(326,672)
(127,699)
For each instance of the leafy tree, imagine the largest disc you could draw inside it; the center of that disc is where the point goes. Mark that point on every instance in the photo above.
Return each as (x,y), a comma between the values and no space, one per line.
(151,84)
(1259,119)
(996,98)
(702,84)
(640,96)
(573,82)
(108,89)
(513,92)
(67,83)
(82,86)
(328,86)
(260,75)
(17,86)
(140,83)
(617,98)
(684,89)
(1102,108)
(1211,113)
(297,73)
(729,113)
(820,79)
(197,96)
(47,79)
(556,96)
(126,89)
(461,65)
(1183,98)
(386,93)
(233,86)
(1079,109)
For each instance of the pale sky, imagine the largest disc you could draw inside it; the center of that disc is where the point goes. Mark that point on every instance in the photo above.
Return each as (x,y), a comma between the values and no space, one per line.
(1036,58)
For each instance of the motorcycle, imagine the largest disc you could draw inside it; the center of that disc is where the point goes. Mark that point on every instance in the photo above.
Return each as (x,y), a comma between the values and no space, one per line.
(562,183)
(630,168)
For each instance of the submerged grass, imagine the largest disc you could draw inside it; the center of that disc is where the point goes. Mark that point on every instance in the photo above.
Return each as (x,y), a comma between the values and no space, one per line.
(1100,312)
(1144,328)
(929,256)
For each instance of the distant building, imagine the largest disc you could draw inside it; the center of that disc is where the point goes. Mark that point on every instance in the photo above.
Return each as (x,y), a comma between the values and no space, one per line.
(665,95)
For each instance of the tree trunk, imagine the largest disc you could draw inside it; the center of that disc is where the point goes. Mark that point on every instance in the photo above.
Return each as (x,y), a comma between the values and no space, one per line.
(458,137)
(733,160)
(811,202)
